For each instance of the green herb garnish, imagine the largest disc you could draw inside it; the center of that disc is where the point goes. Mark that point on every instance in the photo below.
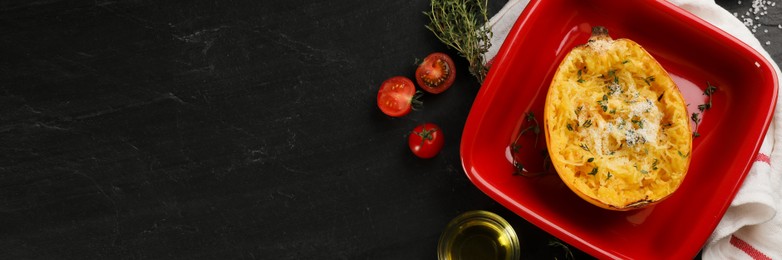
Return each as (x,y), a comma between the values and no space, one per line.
(603,103)
(639,122)
(654,164)
(591,159)
(461,25)
(649,80)
(515,147)
(587,123)
(594,171)
(695,118)
(584,146)
(708,91)
(612,73)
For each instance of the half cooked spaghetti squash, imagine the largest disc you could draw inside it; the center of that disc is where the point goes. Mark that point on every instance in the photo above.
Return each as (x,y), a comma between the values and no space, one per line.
(616,125)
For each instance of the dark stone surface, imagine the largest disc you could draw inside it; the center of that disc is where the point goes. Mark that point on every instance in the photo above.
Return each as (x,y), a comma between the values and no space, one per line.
(229,129)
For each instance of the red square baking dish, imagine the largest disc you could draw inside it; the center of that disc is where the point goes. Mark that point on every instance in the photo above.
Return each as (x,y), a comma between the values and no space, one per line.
(694,53)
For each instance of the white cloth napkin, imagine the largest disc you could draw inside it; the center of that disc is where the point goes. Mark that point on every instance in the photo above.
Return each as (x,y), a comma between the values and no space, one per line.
(751,228)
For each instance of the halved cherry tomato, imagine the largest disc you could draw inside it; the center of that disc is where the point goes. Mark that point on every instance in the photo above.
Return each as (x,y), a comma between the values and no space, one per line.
(426,140)
(396,96)
(436,73)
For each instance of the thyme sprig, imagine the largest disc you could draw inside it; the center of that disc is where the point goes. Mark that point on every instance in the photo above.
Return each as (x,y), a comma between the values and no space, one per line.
(565,249)
(696,118)
(534,126)
(710,89)
(460,25)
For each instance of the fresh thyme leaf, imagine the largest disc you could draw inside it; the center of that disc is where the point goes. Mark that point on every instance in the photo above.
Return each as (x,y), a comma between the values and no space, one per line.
(519,168)
(587,123)
(654,164)
(569,127)
(708,92)
(661,96)
(709,89)
(609,176)
(644,172)
(703,107)
(649,80)
(695,118)
(515,148)
(640,123)
(625,61)
(461,25)
(603,103)
(585,147)
(594,171)
(612,73)
(591,159)
(580,80)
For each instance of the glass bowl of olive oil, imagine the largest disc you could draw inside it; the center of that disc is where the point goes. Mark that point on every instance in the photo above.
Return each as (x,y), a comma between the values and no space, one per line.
(478,235)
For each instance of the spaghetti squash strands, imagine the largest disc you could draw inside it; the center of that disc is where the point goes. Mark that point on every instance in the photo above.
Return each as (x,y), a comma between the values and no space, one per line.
(616,125)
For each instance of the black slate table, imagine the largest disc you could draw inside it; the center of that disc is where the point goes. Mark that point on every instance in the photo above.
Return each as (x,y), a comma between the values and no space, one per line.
(230,130)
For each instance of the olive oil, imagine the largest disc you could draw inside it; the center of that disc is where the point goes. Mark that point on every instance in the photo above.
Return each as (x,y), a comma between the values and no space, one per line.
(478,235)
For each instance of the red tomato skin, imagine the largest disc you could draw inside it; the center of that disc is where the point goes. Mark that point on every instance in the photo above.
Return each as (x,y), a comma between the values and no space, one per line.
(395,96)
(432,68)
(426,140)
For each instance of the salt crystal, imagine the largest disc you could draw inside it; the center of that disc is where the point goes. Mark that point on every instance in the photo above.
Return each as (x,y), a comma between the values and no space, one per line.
(768,42)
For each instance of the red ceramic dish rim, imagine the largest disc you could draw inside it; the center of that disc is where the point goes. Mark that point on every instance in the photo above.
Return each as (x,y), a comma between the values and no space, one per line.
(486,94)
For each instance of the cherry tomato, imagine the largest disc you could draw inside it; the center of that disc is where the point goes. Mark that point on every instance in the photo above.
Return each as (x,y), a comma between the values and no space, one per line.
(396,96)
(436,73)
(426,140)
